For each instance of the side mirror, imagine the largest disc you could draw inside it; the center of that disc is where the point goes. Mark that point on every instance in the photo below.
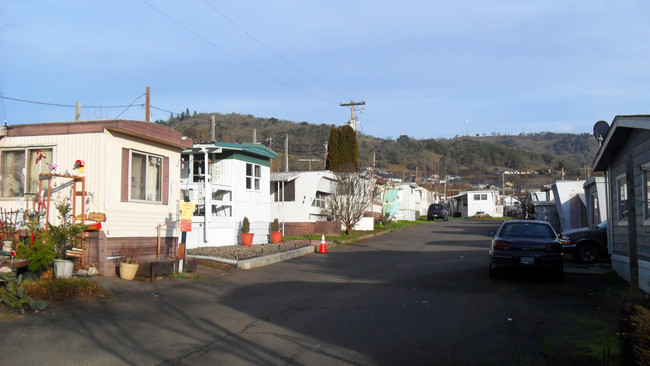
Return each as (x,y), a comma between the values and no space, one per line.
(491,233)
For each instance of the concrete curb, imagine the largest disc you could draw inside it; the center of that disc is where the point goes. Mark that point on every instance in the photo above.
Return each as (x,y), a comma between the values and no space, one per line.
(275,258)
(575,268)
(263,260)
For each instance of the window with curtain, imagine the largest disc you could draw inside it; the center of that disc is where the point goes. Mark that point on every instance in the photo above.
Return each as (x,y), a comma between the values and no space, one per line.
(146,177)
(20,170)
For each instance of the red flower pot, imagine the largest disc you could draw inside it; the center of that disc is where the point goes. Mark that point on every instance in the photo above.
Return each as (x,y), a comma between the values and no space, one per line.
(276,237)
(247,239)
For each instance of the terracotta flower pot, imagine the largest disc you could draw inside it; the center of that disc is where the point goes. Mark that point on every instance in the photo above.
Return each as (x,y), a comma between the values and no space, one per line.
(247,239)
(276,237)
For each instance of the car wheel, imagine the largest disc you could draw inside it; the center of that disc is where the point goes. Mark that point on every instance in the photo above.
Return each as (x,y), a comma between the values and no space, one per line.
(587,252)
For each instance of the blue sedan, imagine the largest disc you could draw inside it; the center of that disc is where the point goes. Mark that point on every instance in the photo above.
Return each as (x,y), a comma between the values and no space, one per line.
(526,244)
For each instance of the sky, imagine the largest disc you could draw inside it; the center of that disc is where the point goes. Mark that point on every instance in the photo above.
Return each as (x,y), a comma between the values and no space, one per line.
(425,69)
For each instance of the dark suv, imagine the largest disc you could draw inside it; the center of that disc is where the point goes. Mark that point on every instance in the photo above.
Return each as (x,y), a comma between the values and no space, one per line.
(587,243)
(437,211)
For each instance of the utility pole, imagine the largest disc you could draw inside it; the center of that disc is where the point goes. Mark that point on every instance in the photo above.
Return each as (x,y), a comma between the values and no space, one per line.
(213,129)
(77,113)
(147,106)
(353,122)
(325,160)
(286,152)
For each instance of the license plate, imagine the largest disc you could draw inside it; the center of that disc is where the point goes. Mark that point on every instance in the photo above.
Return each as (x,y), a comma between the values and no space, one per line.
(527,260)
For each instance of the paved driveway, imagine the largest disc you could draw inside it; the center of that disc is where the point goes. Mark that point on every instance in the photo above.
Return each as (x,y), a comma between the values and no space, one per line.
(419,296)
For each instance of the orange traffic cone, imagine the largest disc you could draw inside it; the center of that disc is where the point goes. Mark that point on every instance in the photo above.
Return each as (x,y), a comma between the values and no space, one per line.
(323,246)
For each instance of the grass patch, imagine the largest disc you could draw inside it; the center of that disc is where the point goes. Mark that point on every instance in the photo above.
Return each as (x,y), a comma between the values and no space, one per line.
(185,276)
(584,329)
(63,288)
(599,340)
(635,329)
(490,218)
(356,235)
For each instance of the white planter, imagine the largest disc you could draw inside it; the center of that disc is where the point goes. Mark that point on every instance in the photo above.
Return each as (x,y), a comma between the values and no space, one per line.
(6,246)
(128,270)
(63,268)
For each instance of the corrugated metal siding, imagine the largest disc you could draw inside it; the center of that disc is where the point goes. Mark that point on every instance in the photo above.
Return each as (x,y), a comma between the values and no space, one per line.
(124,181)
(165,181)
(66,149)
(135,219)
(637,144)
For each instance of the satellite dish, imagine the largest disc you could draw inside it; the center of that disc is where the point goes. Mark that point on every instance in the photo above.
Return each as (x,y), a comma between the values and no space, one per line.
(600,130)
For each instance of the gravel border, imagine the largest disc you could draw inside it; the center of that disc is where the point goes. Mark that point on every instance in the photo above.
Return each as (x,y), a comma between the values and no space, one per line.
(239,252)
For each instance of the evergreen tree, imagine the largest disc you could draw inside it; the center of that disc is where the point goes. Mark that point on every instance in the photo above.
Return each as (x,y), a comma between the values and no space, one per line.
(342,150)
(333,155)
(349,149)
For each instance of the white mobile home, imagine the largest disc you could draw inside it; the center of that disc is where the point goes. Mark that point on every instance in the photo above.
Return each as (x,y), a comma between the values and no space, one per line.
(298,199)
(124,171)
(407,196)
(471,203)
(596,199)
(227,182)
(423,198)
(569,199)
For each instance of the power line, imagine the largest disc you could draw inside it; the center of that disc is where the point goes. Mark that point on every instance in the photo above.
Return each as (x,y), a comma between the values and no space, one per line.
(270,50)
(129,106)
(69,105)
(230,54)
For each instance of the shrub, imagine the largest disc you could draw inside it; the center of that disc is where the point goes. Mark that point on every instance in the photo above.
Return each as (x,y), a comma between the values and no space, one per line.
(635,332)
(61,288)
(129,253)
(245,225)
(275,226)
(40,254)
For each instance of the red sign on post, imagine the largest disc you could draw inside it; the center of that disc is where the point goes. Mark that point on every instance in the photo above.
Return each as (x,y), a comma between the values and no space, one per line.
(186,225)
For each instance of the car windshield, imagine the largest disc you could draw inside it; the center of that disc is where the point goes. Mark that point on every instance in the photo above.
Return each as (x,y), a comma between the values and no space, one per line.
(527,230)
(437,207)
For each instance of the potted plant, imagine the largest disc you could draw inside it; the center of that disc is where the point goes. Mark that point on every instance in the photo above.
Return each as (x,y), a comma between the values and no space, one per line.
(129,255)
(37,248)
(63,235)
(246,235)
(276,234)
(40,253)
(8,221)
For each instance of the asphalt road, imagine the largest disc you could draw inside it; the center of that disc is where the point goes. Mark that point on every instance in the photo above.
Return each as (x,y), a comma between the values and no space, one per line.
(418,296)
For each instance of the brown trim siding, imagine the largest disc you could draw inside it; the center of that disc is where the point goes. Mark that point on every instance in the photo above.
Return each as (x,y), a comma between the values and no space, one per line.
(165,181)
(124,194)
(143,130)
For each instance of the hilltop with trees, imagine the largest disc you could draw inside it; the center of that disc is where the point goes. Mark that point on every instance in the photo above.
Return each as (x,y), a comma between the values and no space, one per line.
(475,157)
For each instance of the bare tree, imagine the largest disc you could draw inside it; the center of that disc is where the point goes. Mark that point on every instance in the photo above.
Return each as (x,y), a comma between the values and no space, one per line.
(353,196)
